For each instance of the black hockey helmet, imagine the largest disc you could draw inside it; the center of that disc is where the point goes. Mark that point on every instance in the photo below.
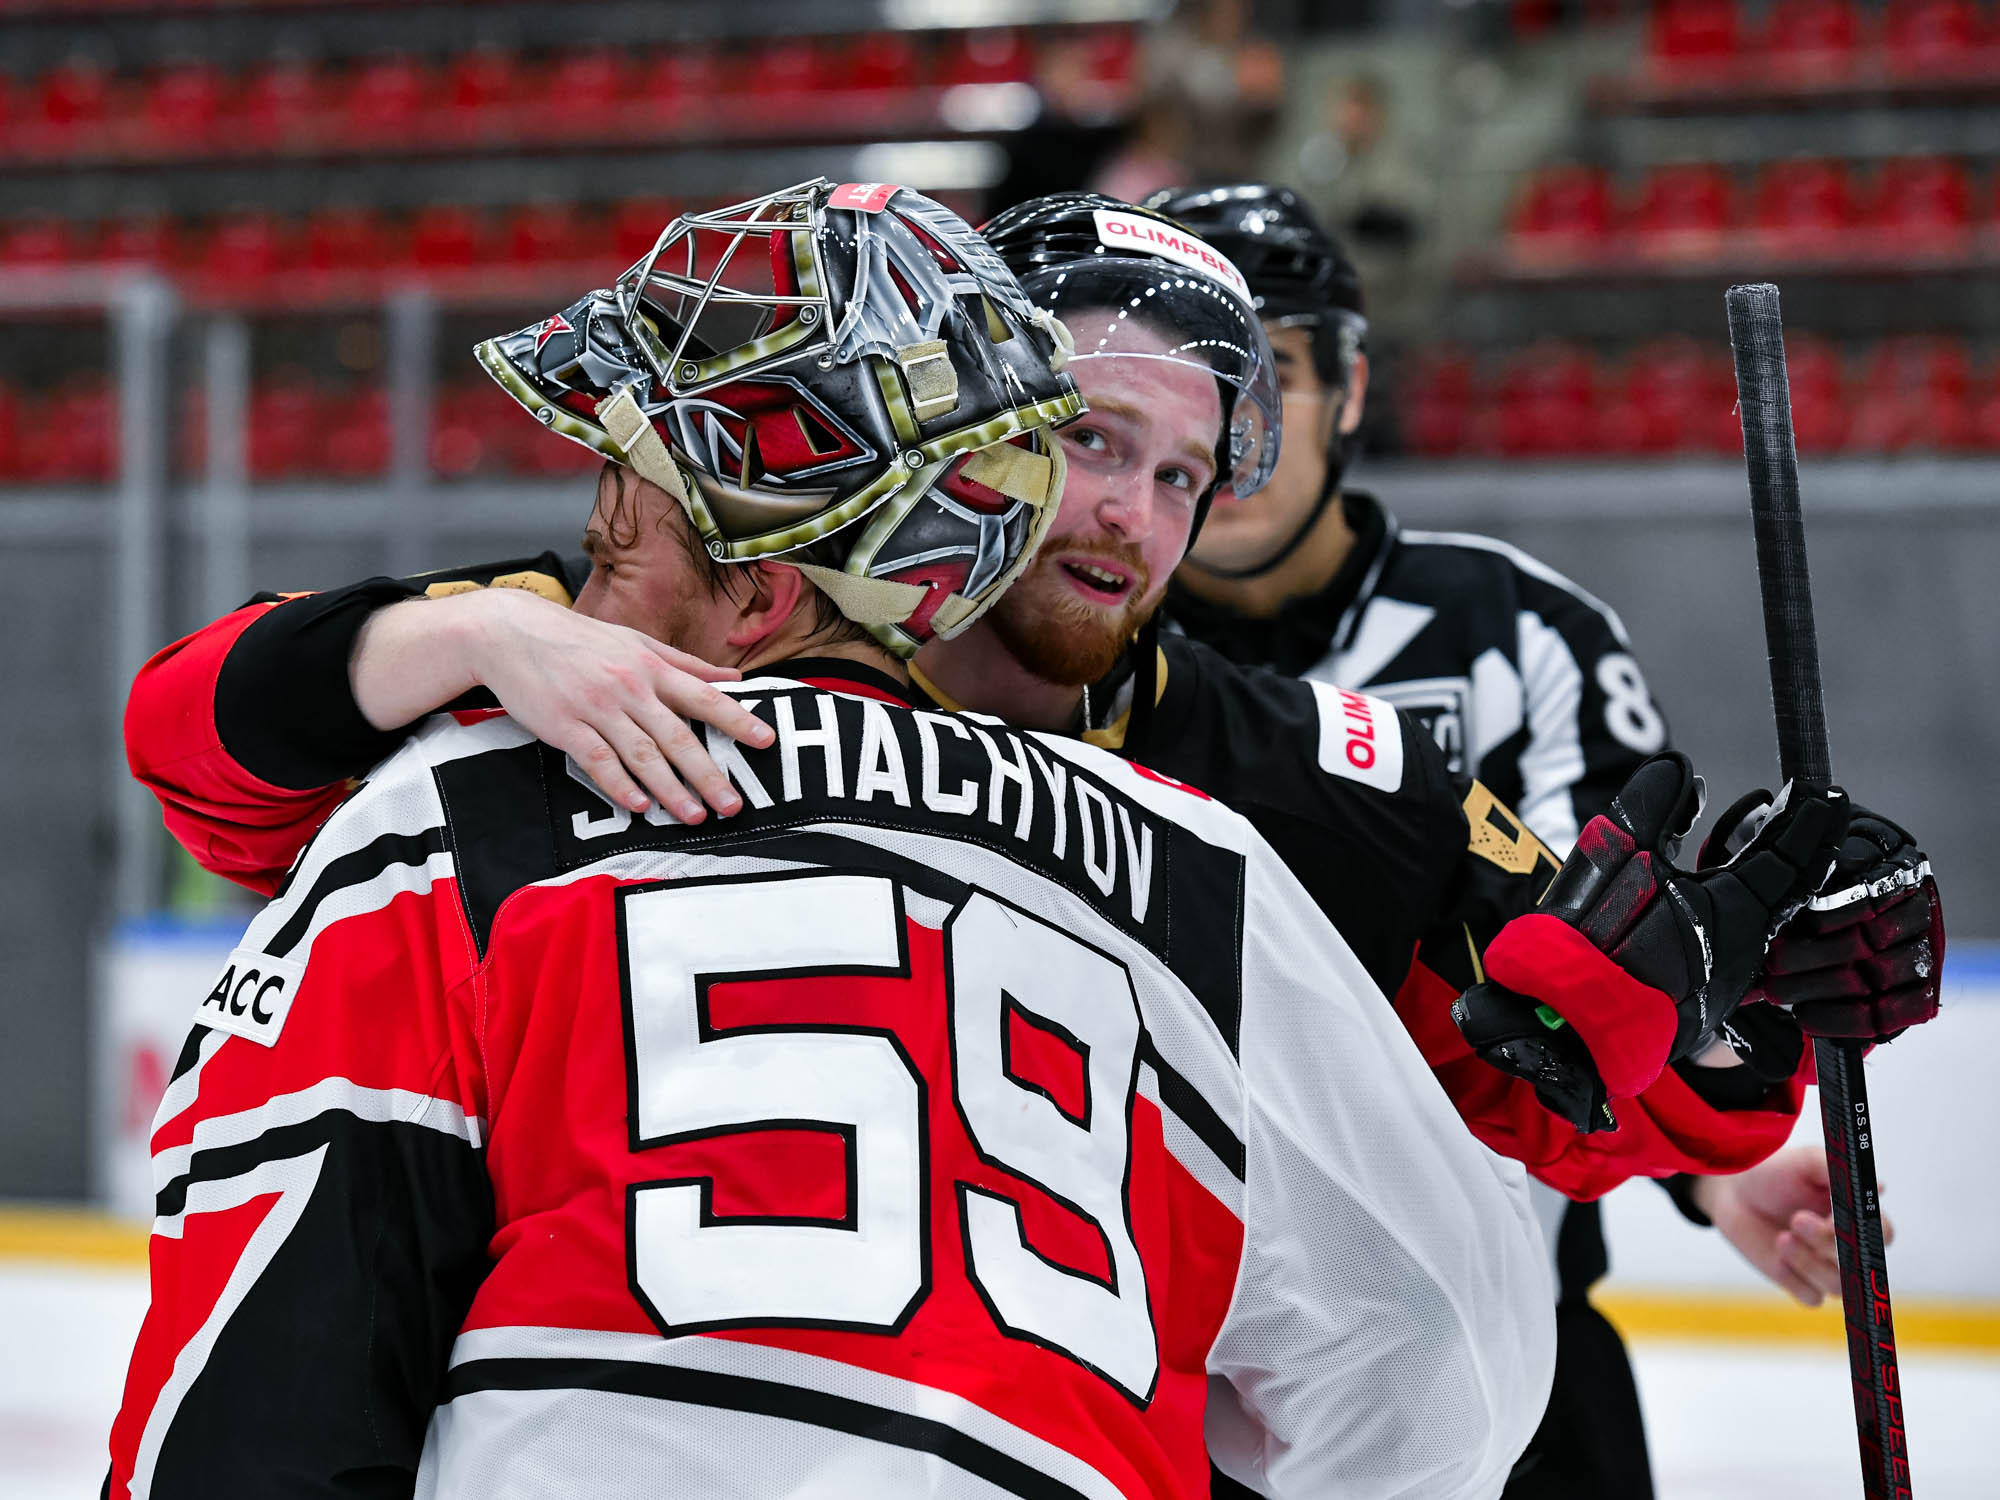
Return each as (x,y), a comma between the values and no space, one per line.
(1083,252)
(1298,272)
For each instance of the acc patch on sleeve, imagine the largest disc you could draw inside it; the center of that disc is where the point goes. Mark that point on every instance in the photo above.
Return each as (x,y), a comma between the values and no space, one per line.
(1359,737)
(253,996)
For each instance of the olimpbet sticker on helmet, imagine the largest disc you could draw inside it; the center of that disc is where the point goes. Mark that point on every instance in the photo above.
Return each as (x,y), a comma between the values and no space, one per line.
(1141,235)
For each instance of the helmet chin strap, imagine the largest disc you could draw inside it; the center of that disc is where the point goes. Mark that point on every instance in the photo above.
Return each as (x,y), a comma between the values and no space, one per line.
(1329,491)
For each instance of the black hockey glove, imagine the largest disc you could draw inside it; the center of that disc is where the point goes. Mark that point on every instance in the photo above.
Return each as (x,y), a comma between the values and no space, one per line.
(1631,962)
(1865,958)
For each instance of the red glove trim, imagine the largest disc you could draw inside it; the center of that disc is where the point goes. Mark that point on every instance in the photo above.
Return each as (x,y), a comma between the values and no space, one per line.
(1628,1026)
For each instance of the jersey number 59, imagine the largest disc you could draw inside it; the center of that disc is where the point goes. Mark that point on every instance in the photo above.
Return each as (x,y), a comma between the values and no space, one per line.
(867,1267)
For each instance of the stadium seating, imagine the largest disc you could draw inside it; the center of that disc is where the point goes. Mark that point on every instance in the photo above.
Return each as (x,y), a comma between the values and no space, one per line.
(1564,215)
(1683,213)
(1936,40)
(1804,210)
(1922,209)
(1693,43)
(1811,43)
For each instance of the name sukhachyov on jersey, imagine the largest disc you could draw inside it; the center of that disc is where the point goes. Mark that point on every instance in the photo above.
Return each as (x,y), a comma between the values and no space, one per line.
(975,1112)
(842,375)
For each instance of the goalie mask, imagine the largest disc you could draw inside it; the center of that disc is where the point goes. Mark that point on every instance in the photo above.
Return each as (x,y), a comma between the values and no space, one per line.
(843,376)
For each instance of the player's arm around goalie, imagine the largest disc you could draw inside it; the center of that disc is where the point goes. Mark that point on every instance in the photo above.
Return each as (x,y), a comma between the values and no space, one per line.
(249,729)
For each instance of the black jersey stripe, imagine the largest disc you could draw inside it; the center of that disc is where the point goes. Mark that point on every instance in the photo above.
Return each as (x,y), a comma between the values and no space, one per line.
(769,1398)
(357,867)
(1195,1112)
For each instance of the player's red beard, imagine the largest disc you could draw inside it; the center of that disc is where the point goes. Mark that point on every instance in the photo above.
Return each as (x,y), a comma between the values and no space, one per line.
(1059,637)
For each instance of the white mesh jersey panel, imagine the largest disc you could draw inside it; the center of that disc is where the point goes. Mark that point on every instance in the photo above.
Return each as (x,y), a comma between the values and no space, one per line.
(1391,1334)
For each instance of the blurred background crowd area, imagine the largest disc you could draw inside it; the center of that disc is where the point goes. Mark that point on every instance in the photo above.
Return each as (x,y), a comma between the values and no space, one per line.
(1543,195)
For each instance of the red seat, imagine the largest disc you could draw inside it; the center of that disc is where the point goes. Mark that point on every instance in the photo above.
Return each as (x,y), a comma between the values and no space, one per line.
(247,247)
(1812,42)
(1676,397)
(10,427)
(784,70)
(1805,209)
(679,80)
(1437,407)
(1917,394)
(348,239)
(40,244)
(283,102)
(997,56)
(1683,213)
(636,226)
(882,61)
(285,427)
(481,88)
(447,237)
(73,98)
(1694,43)
(1820,409)
(356,441)
(384,100)
(1548,402)
(1935,38)
(183,109)
(149,239)
(582,93)
(1564,214)
(1922,208)
(545,233)
(73,438)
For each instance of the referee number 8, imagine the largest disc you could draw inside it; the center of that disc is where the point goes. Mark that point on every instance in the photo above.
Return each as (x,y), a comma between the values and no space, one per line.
(1628,708)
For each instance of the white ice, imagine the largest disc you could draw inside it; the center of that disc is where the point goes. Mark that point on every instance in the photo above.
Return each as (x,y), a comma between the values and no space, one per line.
(1727,1422)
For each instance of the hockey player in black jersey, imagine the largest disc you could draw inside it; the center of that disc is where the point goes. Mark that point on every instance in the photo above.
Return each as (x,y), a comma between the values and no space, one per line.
(1525,680)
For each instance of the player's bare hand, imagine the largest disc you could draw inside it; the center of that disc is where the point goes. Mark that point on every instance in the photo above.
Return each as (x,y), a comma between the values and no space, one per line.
(1779,1216)
(614,699)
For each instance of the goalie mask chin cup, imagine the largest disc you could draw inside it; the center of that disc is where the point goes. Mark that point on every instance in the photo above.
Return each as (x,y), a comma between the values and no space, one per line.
(1133,284)
(844,376)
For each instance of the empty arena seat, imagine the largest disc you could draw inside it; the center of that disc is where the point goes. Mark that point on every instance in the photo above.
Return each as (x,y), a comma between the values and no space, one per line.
(282,102)
(183,109)
(72,437)
(40,243)
(1693,43)
(1805,208)
(1922,208)
(72,97)
(149,239)
(879,62)
(999,55)
(285,427)
(346,238)
(544,233)
(1915,394)
(384,100)
(1547,403)
(355,435)
(1564,214)
(1437,406)
(1811,42)
(1684,213)
(482,79)
(677,82)
(447,237)
(636,226)
(782,69)
(1929,39)
(1820,409)
(247,247)
(1674,398)
(582,92)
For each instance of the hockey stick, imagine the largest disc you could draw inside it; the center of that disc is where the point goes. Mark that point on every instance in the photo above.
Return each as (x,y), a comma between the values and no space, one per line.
(1756,336)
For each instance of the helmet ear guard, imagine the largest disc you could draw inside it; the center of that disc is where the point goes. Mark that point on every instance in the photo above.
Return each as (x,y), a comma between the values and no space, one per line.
(852,400)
